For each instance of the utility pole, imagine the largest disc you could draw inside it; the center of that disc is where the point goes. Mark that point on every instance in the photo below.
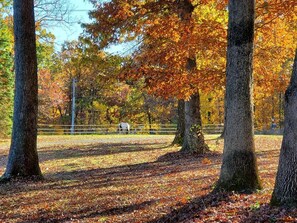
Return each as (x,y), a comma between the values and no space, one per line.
(73,107)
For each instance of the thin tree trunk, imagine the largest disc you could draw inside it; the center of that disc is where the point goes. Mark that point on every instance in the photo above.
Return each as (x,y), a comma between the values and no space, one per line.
(193,137)
(224,128)
(149,117)
(239,170)
(23,157)
(179,135)
(285,189)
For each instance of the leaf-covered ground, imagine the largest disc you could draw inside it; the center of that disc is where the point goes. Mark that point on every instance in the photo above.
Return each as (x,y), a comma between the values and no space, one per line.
(135,179)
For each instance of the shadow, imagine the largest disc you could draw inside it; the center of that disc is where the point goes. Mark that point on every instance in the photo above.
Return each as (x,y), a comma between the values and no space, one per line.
(100,149)
(116,190)
(175,156)
(269,153)
(166,166)
(91,213)
(191,210)
(267,213)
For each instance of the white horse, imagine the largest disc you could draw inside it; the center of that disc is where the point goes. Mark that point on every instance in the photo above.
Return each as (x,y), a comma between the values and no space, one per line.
(124,127)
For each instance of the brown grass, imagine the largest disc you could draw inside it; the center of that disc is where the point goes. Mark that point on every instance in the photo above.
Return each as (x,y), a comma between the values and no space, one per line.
(135,179)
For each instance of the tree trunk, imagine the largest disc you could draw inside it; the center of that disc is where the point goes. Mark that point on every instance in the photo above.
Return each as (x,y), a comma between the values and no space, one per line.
(193,138)
(179,135)
(285,189)
(239,170)
(149,117)
(23,157)
(224,128)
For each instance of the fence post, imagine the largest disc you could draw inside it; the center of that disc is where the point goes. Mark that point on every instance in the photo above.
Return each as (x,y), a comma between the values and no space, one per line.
(73,107)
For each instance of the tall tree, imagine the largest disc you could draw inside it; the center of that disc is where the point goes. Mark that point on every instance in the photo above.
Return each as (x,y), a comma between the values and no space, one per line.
(193,136)
(23,157)
(239,168)
(285,189)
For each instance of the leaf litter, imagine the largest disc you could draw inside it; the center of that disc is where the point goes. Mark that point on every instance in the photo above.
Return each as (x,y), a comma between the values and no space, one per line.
(136,179)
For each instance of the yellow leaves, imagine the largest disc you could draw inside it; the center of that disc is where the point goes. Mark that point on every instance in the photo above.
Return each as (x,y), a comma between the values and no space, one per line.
(124,11)
(175,37)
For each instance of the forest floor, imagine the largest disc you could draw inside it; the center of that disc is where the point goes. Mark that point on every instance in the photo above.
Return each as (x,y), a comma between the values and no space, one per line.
(136,179)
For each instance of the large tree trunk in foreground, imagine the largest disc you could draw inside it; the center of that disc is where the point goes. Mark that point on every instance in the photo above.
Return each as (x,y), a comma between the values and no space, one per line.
(193,138)
(285,190)
(239,171)
(23,158)
(179,135)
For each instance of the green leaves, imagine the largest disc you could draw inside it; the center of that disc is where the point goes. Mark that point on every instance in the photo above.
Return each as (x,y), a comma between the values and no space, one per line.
(6,73)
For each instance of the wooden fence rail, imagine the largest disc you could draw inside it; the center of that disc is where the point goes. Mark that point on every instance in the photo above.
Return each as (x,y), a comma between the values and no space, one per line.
(165,129)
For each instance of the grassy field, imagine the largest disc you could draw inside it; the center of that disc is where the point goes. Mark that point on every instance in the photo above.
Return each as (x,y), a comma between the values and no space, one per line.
(135,179)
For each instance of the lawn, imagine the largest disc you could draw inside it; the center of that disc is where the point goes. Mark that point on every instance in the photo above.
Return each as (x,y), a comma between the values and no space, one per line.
(135,179)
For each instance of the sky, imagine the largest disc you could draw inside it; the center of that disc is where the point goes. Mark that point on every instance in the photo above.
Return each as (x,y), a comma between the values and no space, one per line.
(78,14)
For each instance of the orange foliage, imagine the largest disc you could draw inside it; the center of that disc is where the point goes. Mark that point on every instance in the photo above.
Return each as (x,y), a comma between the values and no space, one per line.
(165,41)
(51,95)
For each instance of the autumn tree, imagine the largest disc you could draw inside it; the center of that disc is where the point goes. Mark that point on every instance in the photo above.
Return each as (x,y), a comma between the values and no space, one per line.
(275,37)
(52,98)
(101,97)
(285,192)
(23,157)
(193,140)
(172,39)
(239,168)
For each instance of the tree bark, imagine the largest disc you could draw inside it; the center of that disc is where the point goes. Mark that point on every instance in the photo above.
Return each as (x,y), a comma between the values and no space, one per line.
(193,137)
(179,135)
(239,171)
(285,189)
(23,157)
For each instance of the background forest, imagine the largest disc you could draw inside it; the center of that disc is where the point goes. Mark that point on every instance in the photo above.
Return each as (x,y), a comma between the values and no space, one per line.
(144,86)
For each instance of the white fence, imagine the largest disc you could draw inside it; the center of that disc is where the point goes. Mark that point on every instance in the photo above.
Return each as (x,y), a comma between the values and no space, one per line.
(47,129)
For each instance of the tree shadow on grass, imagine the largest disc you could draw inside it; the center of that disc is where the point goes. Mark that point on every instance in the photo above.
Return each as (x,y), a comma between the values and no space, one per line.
(90,212)
(266,213)
(104,181)
(191,210)
(169,164)
(176,156)
(96,150)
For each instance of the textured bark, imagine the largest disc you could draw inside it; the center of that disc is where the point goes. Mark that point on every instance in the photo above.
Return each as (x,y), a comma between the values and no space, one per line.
(239,170)
(23,157)
(285,190)
(193,138)
(179,135)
